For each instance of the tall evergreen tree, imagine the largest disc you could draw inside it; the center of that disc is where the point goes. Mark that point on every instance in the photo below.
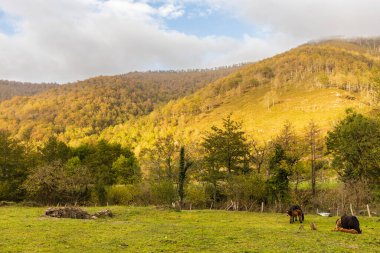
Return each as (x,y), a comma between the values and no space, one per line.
(226,153)
(315,147)
(280,172)
(184,165)
(227,147)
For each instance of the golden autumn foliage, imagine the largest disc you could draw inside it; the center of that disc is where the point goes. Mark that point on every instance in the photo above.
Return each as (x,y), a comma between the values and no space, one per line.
(87,107)
(316,81)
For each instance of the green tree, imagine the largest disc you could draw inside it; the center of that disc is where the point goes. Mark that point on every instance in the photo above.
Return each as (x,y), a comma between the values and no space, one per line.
(58,183)
(288,150)
(279,181)
(76,183)
(12,167)
(227,148)
(196,195)
(245,191)
(127,170)
(160,157)
(226,153)
(55,150)
(163,192)
(44,182)
(160,160)
(354,144)
(258,154)
(99,159)
(315,147)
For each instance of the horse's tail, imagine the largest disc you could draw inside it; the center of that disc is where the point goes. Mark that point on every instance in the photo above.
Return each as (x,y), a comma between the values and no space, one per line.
(303,216)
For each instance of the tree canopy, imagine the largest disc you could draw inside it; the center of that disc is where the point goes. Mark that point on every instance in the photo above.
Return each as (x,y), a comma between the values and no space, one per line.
(354,144)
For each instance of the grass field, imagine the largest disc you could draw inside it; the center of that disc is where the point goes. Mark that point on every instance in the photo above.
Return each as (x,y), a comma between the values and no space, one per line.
(145,229)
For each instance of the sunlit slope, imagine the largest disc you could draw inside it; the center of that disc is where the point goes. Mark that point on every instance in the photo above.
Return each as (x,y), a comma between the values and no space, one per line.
(85,108)
(298,106)
(316,81)
(325,106)
(312,82)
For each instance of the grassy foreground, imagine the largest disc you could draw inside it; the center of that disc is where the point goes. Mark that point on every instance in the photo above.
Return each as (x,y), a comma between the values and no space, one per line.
(145,229)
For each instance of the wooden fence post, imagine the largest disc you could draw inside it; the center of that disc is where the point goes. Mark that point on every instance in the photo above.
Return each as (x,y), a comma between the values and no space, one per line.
(262,207)
(369,212)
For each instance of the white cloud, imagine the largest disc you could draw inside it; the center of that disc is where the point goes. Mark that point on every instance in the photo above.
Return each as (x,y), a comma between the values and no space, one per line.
(307,19)
(66,40)
(170,11)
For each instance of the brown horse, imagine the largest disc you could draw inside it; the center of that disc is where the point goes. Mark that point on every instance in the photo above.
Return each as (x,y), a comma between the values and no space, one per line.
(294,212)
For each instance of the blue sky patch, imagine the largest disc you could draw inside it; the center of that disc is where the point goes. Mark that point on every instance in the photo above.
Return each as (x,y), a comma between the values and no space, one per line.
(6,25)
(202,21)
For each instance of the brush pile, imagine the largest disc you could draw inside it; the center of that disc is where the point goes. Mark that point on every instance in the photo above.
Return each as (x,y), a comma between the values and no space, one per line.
(75,213)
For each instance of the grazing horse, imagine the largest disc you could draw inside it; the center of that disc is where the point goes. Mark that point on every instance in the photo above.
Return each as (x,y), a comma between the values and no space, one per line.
(348,224)
(294,212)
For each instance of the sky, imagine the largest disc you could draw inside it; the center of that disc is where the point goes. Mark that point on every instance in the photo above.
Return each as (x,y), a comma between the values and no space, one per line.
(69,40)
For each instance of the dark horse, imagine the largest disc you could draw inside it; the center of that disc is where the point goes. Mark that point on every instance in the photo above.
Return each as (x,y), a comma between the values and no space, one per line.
(348,224)
(294,212)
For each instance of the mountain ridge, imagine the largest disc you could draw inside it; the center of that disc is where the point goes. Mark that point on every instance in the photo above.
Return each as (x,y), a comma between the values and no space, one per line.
(324,73)
(137,107)
(99,102)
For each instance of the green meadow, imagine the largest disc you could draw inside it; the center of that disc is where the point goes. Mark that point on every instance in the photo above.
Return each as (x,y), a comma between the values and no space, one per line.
(147,229)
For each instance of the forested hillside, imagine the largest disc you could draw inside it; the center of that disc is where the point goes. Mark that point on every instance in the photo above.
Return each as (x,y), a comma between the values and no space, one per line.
(279,131)
(316,81)
(87,107)
(10,89)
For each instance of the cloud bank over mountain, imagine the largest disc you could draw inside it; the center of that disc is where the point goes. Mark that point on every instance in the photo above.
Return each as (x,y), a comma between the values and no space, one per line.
(67,40)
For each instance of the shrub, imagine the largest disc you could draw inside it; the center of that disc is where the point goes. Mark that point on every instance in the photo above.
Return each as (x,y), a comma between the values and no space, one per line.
(163,192)
(122,194)
(245,191)
(196,196)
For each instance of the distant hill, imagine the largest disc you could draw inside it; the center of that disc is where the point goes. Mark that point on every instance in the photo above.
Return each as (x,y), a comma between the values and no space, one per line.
(87,107)
(316,81)
(10,89)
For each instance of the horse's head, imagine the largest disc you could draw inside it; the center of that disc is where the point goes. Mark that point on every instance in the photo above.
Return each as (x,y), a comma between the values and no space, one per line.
(338,223)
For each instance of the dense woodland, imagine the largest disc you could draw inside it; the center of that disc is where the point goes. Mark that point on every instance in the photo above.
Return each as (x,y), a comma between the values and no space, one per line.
(228,169)
(10,89)
(87,107)
(129,139)
(173,98)
(310,67)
